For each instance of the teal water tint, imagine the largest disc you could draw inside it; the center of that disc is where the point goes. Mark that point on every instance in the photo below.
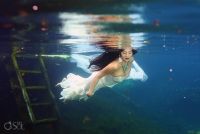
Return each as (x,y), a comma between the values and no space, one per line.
(167,37)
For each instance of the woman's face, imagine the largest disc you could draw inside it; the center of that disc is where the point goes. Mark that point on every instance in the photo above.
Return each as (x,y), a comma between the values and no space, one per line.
(127,54)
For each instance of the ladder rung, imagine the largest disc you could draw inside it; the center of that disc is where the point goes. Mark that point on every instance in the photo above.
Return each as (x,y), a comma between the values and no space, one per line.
(41,104)
(36,87)
(27,56)
(46,120)
(30,71)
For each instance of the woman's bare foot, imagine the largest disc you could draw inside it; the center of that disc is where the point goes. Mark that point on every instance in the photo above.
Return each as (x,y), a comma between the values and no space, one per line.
(89,94)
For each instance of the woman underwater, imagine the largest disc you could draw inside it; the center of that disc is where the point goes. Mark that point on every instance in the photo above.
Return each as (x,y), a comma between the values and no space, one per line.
(108,69)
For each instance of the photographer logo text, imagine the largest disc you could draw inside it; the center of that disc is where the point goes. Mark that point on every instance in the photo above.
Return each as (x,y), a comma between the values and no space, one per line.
(13,125)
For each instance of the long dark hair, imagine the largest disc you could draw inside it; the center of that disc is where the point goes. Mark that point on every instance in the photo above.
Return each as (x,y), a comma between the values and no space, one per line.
(105,58)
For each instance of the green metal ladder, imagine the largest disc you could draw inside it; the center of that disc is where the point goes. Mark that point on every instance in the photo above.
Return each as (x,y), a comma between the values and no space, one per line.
(38,98)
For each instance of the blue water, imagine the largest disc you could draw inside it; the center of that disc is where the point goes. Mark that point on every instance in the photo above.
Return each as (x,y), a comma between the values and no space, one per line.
(167,37)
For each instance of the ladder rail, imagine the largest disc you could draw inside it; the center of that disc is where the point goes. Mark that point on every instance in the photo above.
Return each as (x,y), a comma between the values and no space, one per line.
(44,70)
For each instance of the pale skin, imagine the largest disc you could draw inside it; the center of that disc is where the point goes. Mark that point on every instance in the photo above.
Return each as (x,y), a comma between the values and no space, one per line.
(115,68)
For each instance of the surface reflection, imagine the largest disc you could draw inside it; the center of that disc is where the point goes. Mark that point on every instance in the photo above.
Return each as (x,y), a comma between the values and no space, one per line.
(87,32)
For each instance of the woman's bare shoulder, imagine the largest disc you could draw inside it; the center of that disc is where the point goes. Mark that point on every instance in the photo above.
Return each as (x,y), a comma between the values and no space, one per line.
(115,64)
(109,69)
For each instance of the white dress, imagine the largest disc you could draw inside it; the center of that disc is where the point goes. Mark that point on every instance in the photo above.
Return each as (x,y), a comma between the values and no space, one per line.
(74,87)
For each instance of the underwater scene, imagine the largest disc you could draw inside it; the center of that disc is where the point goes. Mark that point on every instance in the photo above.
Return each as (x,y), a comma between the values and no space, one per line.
(41,42)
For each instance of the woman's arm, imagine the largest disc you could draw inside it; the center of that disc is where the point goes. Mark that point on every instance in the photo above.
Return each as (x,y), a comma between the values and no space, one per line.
(105,71)
(137,72)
